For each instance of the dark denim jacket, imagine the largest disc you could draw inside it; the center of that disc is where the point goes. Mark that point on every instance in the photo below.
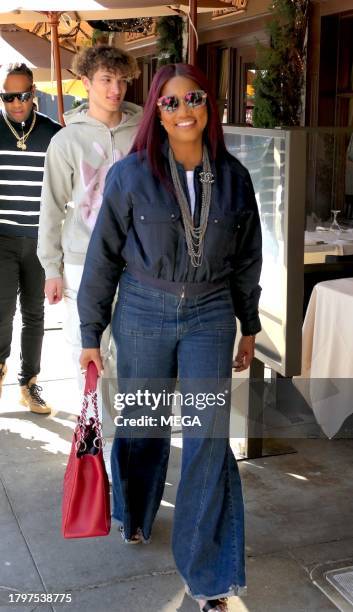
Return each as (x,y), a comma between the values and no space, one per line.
(140,225)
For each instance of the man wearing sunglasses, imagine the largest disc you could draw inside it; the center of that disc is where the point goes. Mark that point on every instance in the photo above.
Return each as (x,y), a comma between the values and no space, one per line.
(24,139)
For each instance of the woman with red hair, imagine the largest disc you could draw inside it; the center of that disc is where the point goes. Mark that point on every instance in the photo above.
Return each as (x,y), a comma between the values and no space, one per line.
(179,233)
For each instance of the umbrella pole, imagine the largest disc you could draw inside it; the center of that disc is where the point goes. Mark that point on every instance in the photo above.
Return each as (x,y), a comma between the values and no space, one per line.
(54,22)
(192,36)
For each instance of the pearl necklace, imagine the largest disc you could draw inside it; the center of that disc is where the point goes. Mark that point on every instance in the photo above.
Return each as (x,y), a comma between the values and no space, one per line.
(194,235)
(21,140)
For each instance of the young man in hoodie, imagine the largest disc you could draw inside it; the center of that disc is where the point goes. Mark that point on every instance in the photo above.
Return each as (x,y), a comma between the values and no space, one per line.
(96,135)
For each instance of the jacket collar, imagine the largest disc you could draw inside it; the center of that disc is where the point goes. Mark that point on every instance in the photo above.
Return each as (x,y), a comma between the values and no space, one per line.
(165,150)
(17,124)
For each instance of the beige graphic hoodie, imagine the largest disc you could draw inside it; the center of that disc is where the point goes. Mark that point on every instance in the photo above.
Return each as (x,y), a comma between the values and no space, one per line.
(76,165)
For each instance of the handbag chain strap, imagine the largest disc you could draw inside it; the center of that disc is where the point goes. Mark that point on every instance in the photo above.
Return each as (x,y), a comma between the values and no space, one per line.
(82,424)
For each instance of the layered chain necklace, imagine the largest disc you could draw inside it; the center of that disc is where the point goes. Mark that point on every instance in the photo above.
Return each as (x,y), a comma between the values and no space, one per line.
(194,235)
(21,140)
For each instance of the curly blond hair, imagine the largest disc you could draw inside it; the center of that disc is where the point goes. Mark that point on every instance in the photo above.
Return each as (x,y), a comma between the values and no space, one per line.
(90,59)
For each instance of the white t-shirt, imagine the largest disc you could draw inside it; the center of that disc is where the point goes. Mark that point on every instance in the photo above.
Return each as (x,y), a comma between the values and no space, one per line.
(191,188)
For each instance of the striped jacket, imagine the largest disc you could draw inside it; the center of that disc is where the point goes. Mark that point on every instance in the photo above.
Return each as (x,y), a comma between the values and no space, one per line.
(21,175)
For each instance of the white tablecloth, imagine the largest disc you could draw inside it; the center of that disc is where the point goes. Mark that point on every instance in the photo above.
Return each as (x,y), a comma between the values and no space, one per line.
(327,355)
(319,244)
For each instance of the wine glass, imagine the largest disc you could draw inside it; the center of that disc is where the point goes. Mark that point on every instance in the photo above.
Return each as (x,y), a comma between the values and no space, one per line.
(335,226)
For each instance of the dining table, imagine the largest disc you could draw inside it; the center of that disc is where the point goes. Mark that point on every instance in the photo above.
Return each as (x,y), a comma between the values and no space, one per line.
(322,242)
(327,353)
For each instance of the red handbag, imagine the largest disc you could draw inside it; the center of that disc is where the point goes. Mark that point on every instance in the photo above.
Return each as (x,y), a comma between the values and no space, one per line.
(86,504)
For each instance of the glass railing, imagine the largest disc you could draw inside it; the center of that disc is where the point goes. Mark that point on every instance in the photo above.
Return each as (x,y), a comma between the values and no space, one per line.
(276,162)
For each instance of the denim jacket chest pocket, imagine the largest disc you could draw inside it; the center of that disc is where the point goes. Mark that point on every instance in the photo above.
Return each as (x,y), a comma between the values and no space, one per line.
(150,215)
(223,232)
(157,229)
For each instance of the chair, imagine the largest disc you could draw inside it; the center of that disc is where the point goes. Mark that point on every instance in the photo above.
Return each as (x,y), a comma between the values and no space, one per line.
(339,258)
(335,266)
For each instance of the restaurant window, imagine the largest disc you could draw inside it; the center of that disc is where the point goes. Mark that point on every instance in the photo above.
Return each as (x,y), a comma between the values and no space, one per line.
(331,153)
(249,93)
(223,85)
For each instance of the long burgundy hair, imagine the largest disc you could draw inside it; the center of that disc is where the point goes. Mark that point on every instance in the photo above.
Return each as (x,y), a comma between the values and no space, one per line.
(151,134)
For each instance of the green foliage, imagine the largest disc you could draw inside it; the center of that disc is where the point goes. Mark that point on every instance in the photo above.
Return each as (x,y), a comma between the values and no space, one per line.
(76,103)
(279,82)
(99,37)
(170,39)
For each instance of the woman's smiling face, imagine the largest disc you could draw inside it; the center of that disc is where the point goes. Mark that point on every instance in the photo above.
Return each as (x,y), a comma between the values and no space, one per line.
(185,124)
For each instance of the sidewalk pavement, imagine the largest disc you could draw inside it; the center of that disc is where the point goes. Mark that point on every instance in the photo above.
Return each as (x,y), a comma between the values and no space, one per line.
(299,510)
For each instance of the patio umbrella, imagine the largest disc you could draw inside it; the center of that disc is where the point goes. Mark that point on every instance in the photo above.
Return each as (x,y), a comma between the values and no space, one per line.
(86,10)
(18,45)
(70,87)
(26,11)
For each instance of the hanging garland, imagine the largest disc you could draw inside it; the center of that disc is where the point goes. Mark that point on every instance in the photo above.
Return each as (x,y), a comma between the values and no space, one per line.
(140,25)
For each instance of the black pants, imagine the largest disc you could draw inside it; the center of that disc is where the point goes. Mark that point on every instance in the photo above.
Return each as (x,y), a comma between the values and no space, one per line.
(21,273)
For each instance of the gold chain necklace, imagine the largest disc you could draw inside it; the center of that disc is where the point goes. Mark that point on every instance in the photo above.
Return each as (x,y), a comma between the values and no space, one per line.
(21,140)
(194,235)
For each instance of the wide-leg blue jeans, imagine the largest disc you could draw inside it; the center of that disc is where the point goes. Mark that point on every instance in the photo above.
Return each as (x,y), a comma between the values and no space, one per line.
(159,335)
